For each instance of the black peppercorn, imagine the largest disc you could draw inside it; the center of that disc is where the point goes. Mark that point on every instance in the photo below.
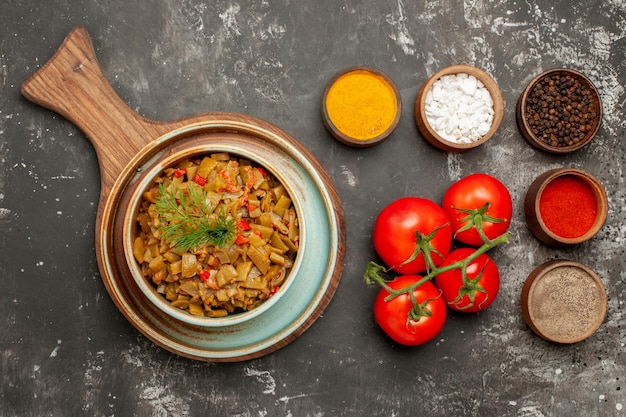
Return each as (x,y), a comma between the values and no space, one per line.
(560,110)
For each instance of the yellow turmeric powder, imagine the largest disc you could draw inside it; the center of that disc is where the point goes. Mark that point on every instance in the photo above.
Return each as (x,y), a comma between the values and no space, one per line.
(361,104)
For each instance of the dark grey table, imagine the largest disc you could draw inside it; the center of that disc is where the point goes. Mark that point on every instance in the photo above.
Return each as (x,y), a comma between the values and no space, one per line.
(65,349)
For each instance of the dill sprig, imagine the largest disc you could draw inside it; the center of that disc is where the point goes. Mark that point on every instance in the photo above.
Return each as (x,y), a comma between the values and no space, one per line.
(187,221)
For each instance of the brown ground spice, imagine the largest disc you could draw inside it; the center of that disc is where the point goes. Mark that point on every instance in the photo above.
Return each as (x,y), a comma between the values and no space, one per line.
(567,303)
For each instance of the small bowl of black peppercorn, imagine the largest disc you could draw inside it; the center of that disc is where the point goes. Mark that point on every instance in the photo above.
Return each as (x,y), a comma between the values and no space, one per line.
(559,111)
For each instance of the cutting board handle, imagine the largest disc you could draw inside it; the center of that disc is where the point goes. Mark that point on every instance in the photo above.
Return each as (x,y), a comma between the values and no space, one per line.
(72,84)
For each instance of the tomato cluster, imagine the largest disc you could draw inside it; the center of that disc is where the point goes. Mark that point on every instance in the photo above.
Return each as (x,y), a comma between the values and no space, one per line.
(414,237)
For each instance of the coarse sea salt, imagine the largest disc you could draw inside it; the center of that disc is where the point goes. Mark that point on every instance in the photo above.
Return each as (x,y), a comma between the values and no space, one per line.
(459,108)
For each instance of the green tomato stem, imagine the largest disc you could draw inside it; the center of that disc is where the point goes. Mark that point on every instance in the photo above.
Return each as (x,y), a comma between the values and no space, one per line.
(373,269)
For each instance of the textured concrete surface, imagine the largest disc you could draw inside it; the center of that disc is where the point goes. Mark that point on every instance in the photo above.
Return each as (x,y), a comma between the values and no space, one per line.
(66,350)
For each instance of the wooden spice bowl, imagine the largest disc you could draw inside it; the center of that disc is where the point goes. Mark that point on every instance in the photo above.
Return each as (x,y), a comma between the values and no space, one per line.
(431,135)
(537,223)
(563,301)
(376,112)
(566,123)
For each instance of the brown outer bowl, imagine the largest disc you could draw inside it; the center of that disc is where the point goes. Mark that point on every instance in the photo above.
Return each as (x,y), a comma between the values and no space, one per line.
(348,140)
(533,217)
(534,140)
(431,135)
(536,301)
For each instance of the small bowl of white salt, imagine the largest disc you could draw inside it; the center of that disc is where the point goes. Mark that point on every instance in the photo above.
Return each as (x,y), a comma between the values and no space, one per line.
(459,108)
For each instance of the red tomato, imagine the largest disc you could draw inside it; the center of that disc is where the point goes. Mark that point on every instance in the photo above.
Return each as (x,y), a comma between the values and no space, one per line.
(478,293)
(393,316)
(394,233)
(471,193)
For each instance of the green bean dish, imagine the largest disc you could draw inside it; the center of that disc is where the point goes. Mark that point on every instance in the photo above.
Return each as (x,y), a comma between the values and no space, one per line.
(216,235)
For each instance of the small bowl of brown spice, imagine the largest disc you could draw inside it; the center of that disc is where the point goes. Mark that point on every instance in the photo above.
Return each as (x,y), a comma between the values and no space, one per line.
(559,111)
(563,301)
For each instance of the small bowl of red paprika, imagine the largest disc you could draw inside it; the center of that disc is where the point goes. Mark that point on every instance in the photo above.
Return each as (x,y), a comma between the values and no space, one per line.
(565,206)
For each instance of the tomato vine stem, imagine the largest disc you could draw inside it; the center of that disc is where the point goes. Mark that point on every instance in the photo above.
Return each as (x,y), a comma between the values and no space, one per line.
(477,217)
(423,245)
(373,270)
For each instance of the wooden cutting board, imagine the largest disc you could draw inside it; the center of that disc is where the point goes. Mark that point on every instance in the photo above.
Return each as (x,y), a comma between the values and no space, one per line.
(72,84)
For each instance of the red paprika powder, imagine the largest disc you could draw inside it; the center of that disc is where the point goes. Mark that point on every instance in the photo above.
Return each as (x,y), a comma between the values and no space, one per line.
(568,206)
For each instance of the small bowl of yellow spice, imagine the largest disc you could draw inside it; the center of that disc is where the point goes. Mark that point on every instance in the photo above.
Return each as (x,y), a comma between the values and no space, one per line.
(361,106)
